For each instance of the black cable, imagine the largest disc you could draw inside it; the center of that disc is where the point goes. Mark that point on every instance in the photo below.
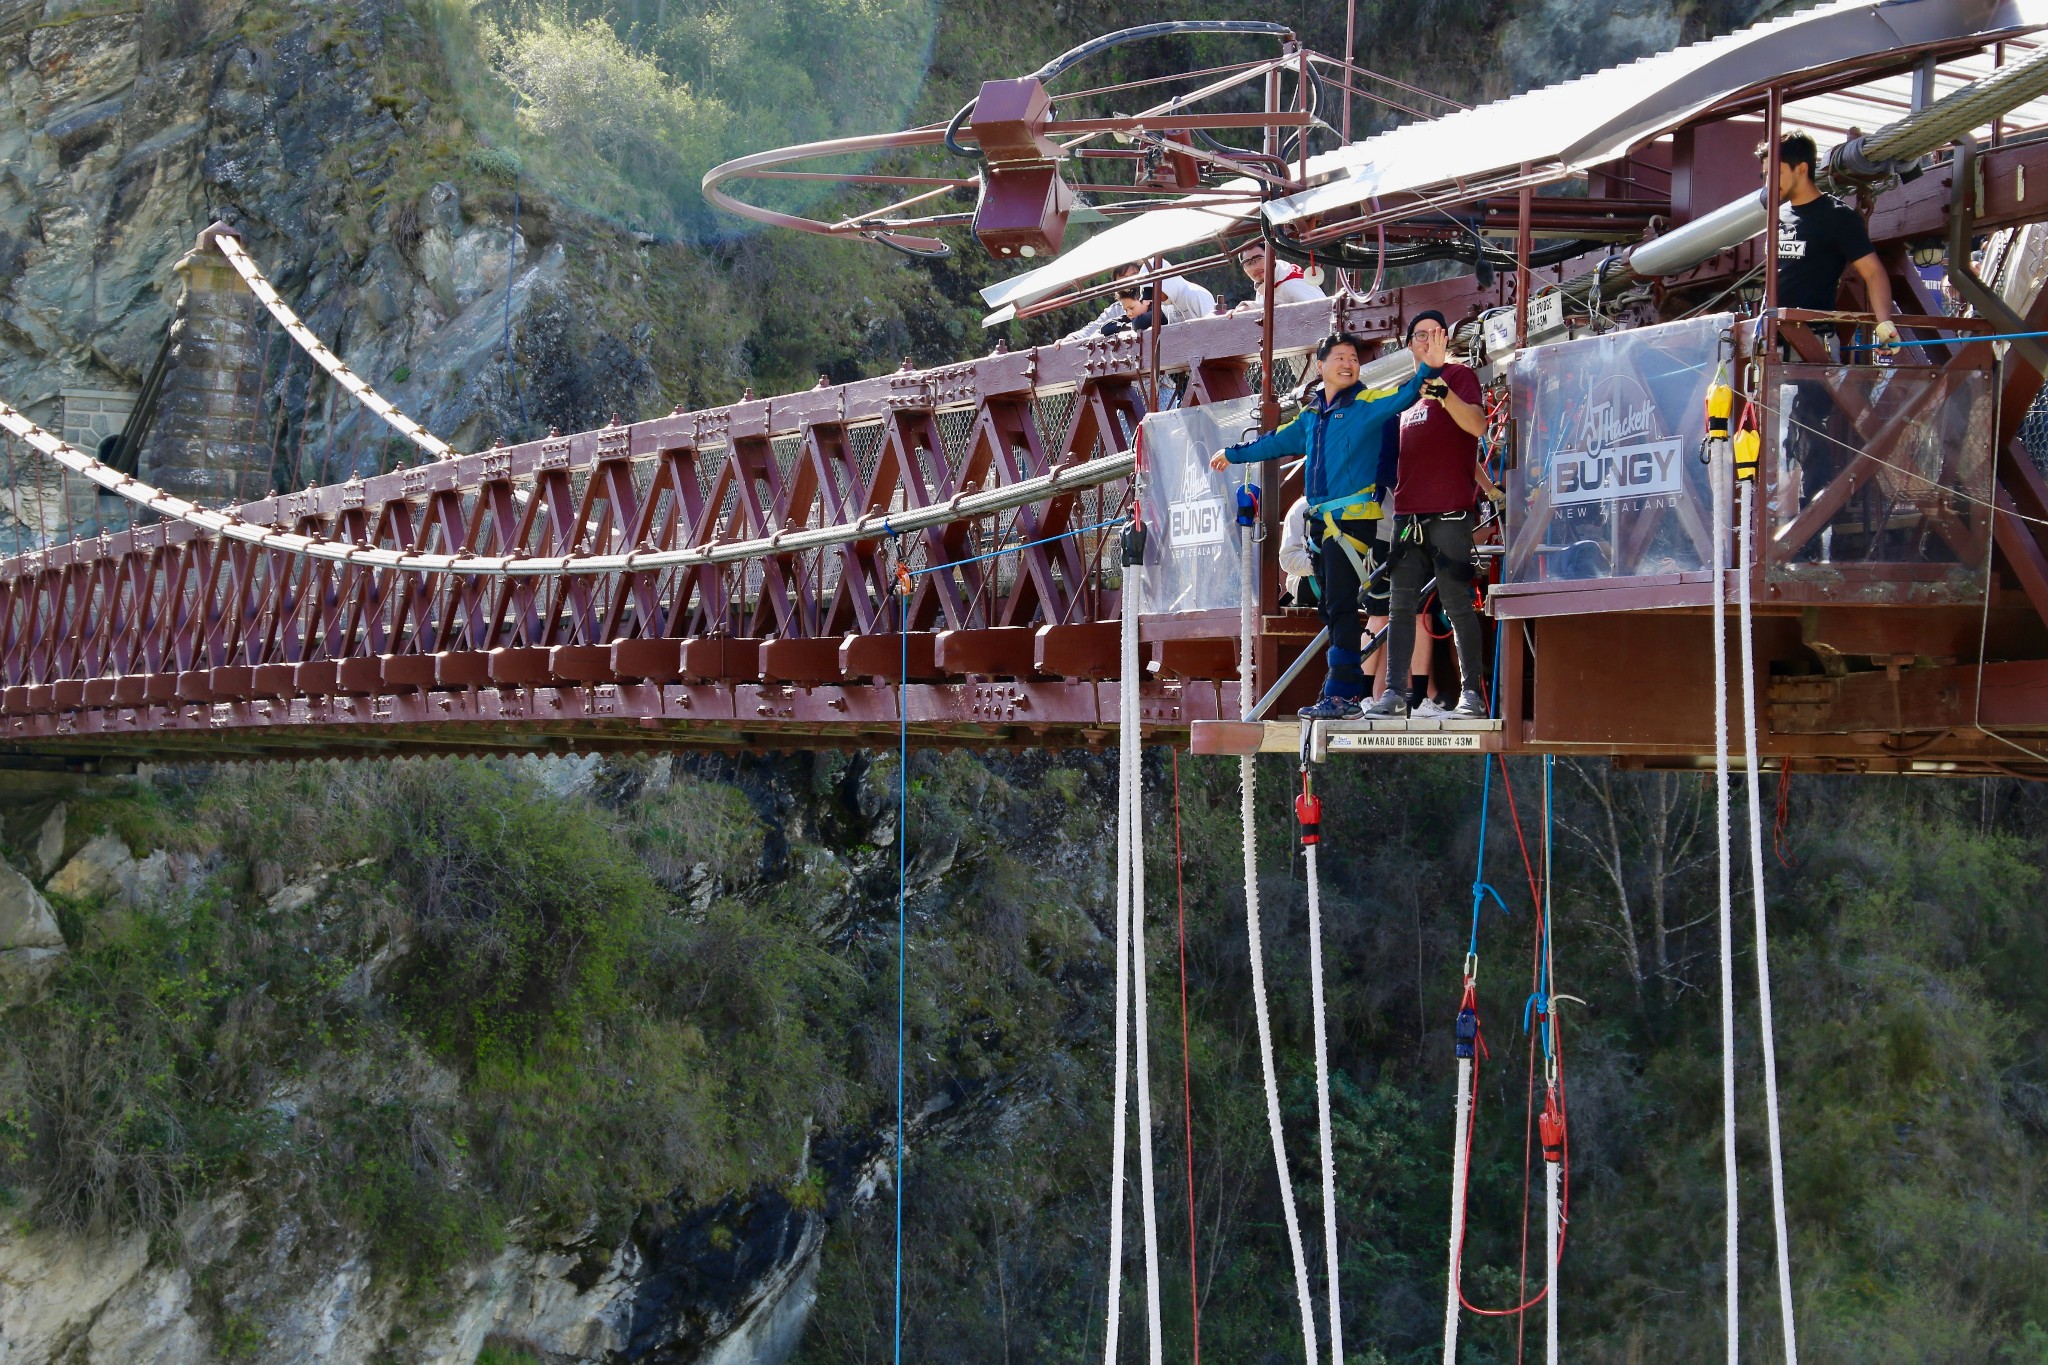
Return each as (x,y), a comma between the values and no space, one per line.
(1354,256)
(915,253)
(1073,56)
(123,450)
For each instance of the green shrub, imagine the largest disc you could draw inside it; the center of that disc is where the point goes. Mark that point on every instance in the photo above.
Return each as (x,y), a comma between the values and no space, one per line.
(493,163)
(394,1172)
(525,904)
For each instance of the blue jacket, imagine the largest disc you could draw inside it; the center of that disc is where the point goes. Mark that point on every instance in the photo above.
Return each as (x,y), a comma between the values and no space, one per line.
(1342,438)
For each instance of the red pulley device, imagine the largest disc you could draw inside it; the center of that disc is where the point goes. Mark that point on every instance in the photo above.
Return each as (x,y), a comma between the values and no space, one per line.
(1550,1129)
(1308,813)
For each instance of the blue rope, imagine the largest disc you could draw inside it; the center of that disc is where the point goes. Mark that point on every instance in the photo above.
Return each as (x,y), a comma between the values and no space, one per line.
(1539,1003)
(1481,888)
(902,919)
(1012,549)
(1951,341)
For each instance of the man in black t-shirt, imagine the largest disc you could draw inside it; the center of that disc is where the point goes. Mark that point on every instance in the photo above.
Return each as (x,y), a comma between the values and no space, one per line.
(1818,238)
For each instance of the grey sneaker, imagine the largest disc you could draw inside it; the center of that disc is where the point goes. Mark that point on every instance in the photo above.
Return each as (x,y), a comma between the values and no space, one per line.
(1432,709)
(1332,708)
(1392,705)
(1472,706)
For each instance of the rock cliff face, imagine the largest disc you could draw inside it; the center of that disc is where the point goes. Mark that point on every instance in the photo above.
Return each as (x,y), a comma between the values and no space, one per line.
(123,133)
(233,1276)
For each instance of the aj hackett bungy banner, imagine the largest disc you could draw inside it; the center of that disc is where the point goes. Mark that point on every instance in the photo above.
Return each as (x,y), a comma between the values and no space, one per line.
(1619,455)
(1606,483)
(1190,510)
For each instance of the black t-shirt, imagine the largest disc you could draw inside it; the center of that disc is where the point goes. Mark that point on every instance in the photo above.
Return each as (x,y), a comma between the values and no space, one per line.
(1816,242)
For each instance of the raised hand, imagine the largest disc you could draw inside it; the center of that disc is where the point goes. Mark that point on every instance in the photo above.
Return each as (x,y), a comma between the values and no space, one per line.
(1434,350)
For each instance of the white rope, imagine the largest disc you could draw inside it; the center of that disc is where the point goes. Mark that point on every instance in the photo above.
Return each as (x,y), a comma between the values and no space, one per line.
(1125,837)
(871,526)
(1247,797)
(1133,679)
(1553,1172)
(231,247)
(1719,476)
(1458,1172)
(1315,973)
(1763,958)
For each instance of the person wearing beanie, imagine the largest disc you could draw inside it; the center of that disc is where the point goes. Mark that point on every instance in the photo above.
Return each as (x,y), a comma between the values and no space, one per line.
(1344,478)
(1438,479)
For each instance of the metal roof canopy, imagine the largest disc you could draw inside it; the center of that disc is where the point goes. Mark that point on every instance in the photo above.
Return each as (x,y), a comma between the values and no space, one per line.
(1561,130)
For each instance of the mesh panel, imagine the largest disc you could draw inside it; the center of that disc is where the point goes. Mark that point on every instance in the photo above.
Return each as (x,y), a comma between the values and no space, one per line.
(788,450)
(1055,414)
(707,464)
(956,433)
(2034,432)
(865,441)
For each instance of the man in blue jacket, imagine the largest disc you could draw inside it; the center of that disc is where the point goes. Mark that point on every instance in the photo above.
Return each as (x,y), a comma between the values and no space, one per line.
(1346,479)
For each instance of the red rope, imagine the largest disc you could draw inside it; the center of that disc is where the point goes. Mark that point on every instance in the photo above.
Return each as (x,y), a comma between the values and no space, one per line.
(1781,842)
(1528,1302)
(1186,1072)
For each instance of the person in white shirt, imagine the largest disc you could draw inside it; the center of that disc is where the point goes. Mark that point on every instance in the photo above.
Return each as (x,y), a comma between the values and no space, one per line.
(1184,300)
(1290,282)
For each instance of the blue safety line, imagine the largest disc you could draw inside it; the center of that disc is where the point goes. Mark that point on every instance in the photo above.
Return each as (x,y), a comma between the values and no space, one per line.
(1481,888)
(1539,1003)
(902,918)
(1950,341)
(1012,549)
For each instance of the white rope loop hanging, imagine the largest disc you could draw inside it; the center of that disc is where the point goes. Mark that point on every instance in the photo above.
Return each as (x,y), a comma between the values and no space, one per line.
(1748,513)
(1247,776)
(1718,476)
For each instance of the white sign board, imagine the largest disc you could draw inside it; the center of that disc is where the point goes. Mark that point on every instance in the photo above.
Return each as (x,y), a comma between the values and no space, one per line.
(1189,509)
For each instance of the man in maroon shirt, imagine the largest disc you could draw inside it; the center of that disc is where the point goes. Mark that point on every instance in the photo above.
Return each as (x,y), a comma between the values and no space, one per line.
(1436,502)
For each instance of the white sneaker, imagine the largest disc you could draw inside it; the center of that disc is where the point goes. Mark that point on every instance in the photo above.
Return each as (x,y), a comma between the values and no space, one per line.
(1432,709)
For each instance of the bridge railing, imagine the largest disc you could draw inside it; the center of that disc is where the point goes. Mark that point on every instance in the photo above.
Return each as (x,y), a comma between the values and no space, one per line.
(175,611)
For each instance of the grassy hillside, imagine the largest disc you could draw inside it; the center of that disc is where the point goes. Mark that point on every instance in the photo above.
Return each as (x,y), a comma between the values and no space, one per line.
(503,1011)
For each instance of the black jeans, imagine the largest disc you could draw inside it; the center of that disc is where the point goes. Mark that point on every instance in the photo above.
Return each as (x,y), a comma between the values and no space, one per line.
(1441,545)
(1338,584)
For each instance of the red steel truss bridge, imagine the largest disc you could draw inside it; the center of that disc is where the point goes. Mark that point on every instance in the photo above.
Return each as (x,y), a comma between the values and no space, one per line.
(726,578)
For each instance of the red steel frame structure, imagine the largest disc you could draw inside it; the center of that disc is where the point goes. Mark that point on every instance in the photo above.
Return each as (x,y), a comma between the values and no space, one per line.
(163,642)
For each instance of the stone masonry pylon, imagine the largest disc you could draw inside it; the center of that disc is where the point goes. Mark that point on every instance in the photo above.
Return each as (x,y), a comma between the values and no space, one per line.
(207,443)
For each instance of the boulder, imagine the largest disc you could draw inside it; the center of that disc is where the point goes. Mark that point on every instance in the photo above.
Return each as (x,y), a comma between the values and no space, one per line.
(25,918)
(23,974)
(47,848)
(96,870)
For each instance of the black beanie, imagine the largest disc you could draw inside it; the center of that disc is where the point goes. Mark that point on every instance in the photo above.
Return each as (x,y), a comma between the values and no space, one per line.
(1425,315)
